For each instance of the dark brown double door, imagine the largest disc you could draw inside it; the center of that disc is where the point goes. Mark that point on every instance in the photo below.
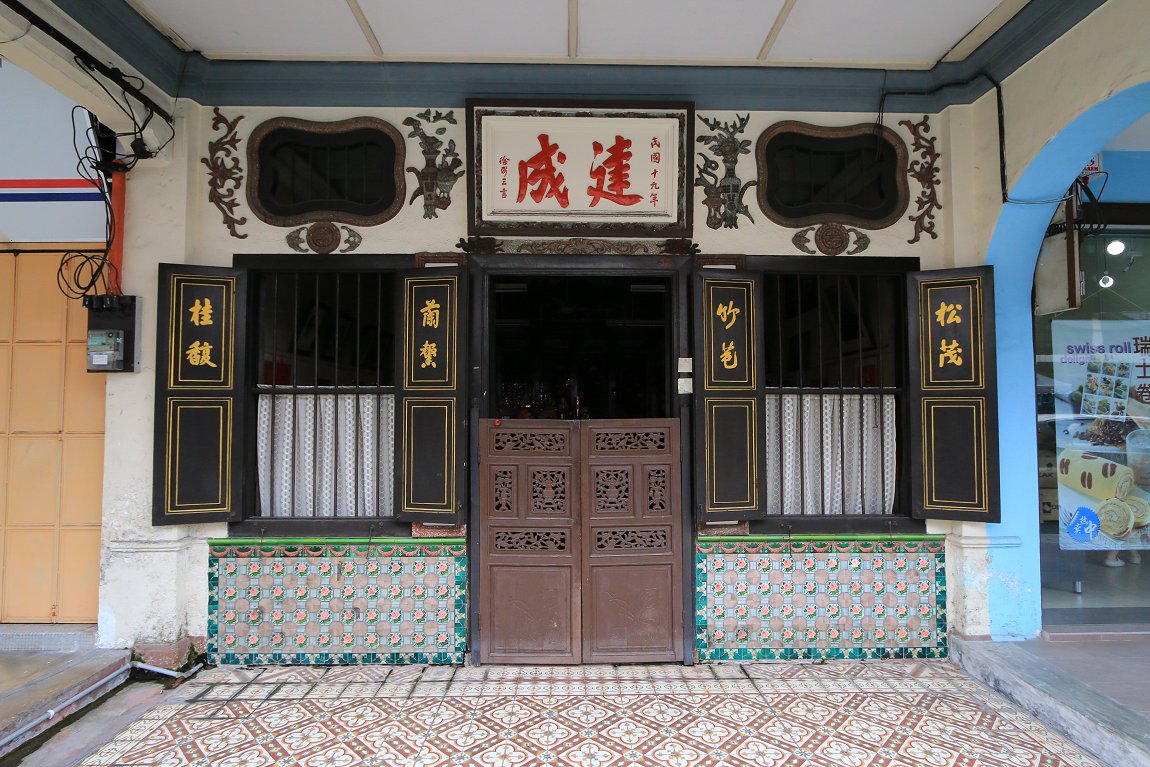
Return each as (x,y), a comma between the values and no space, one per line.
(581,542)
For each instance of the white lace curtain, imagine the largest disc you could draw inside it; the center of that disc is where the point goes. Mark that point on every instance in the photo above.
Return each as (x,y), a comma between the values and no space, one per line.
(326,455)
(830,454)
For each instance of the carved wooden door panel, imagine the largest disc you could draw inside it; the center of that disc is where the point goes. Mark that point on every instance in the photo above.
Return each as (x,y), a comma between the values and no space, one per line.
(632,541)
(580,542)
(529,589)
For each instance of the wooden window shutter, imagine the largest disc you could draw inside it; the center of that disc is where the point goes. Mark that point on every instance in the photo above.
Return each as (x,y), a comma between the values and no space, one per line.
(200,394)
(728,400)
(431,404)
(952,395)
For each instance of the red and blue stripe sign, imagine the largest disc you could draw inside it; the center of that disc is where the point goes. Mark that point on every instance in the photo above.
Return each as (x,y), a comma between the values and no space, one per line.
(49,190)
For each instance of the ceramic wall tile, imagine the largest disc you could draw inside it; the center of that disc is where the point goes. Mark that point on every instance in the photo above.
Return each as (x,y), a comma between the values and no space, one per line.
(782,600)
(330,604)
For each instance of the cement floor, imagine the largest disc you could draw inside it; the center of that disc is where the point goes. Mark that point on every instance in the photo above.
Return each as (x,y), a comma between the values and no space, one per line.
(873,714)
(1116,668)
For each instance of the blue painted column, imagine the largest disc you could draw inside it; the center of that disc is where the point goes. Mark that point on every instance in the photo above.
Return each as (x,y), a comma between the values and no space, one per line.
(1015,592)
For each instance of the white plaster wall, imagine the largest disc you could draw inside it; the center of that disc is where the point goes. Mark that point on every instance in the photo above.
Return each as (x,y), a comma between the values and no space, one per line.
(153,580)
(409,232)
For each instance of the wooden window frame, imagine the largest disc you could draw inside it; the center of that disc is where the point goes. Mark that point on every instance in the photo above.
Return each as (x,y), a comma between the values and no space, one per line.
(252,525)
(900,522)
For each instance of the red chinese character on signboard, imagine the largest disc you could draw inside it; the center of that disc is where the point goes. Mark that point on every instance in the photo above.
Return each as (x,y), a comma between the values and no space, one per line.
(1142,344)
(655,143)
(540,172)
(654,198)
(656,157)
(611,175)
(1143,366)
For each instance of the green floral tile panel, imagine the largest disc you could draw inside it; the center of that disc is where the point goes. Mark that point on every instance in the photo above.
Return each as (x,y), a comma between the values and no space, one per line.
(794,599)
(337,603)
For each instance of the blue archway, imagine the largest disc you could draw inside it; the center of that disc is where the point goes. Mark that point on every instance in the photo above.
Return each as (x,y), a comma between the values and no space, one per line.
(1014,598)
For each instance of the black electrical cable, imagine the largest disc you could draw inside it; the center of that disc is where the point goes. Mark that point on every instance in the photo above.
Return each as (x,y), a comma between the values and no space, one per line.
(82,272)
(111,73)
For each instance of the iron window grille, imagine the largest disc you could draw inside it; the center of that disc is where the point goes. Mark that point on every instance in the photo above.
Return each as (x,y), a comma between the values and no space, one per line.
(835,356)
(325,395)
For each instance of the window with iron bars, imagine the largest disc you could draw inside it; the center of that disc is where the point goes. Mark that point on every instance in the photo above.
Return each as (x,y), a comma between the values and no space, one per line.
(325,395)
(835,355)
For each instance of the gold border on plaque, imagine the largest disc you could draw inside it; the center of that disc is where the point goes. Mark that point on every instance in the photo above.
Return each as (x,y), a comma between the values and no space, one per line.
(926,350)
(710,383)
(223,502)
(977,406)
(447,405)
(451,282)
(750,405)
(176,336)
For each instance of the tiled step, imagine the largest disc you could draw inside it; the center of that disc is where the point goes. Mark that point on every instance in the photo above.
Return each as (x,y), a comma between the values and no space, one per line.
(46,637)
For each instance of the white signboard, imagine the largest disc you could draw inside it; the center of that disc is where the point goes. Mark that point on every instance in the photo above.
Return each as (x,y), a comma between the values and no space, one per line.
(616,172)
(1102,407)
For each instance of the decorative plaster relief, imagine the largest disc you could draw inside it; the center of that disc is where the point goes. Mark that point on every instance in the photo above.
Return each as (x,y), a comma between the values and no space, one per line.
(831,240)
(323,237)
(925,171)
(438,174)
(225,173)
(723,197)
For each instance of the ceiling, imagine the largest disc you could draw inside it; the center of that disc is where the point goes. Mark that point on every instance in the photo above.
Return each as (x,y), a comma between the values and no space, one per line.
(885,34)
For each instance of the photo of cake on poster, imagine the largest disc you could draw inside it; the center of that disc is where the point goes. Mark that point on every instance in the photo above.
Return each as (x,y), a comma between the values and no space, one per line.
(1102,413)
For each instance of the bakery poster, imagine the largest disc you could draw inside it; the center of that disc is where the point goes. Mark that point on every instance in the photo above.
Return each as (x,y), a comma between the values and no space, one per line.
(1102,407)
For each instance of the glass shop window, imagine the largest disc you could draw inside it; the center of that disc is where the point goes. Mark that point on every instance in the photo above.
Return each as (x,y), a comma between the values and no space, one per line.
(1092,371)
(325,393)
(835,352)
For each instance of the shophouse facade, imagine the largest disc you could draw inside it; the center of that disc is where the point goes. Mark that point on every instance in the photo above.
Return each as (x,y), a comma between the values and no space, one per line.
(417,381)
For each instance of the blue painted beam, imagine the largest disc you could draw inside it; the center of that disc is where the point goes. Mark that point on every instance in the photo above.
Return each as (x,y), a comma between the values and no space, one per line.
(402,84)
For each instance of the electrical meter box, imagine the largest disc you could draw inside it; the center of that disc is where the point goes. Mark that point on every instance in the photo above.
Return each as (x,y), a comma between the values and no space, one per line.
(105,351)
(112,334)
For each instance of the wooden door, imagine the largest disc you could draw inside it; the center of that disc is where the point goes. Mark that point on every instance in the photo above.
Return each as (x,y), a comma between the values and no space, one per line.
(632,541)
(529,589)
(580,542)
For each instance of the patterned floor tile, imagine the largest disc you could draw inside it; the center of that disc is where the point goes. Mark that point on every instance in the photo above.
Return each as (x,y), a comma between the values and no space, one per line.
(875,714)
(358,674)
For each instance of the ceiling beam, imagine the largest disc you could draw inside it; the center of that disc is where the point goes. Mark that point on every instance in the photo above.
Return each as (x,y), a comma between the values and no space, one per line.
(572,29)
(365,27)
(776,29)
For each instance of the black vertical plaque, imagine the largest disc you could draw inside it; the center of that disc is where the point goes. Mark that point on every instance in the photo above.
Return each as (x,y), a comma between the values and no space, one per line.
(431,438)
(199,402)
(952,397)
(728,400)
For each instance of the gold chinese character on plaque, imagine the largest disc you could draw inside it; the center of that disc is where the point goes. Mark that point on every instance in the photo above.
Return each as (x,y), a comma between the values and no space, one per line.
(950,353)
(430,313)
(728,313)
(199,354)
(729,357)
(429,352)
(201,312)
(947,314)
